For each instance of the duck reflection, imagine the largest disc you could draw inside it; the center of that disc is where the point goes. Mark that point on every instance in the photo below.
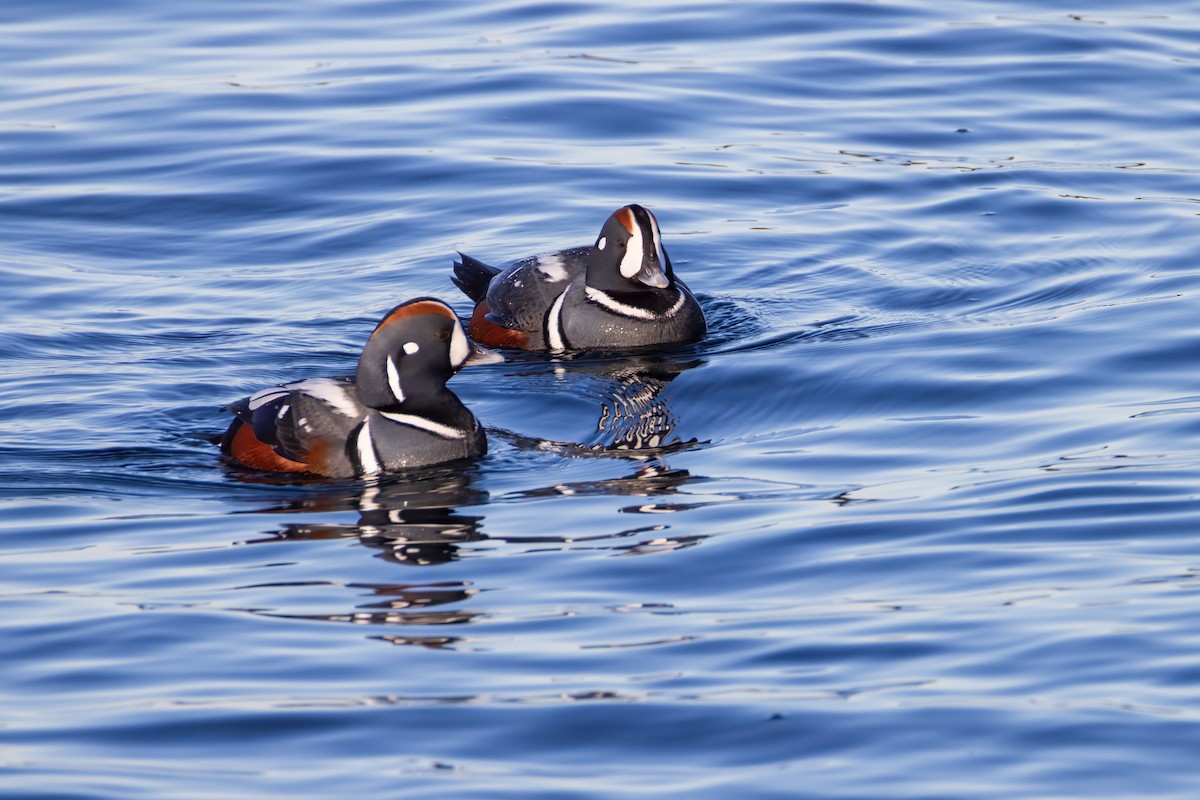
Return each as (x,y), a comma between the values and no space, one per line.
(411,521)
(634,420)
(648,480)
(423,519)
(635,423)
(634,417)
(402,604)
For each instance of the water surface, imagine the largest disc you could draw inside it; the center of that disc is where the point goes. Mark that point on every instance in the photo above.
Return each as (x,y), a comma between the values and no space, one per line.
(927,524)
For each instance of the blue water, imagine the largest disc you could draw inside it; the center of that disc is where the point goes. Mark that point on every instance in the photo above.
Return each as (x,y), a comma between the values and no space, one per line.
(928,530)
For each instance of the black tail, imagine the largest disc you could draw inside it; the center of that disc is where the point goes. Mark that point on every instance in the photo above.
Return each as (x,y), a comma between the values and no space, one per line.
(473,276)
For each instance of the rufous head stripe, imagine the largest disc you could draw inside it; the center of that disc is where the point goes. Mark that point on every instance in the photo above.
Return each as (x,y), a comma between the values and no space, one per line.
(625,217)
(415,307)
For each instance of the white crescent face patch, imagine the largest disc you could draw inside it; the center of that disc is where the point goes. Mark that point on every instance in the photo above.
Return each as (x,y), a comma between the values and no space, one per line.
(631,262)
(460,348)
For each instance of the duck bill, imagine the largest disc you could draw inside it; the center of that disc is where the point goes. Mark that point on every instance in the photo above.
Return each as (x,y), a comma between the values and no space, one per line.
(481,355)
(651,275)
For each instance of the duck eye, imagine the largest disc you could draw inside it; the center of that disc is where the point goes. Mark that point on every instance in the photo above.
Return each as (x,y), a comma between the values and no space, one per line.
(443,335)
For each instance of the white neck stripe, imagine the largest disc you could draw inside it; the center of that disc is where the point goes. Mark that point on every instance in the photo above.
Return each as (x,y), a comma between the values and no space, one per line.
(617,307)
(393,376)
(422,423)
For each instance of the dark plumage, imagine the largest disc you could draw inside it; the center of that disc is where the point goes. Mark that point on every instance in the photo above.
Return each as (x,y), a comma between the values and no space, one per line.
(394,414)
(620,292)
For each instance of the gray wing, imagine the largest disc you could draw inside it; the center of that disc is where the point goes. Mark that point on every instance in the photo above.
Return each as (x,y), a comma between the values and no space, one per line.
(521,296)
(313,421)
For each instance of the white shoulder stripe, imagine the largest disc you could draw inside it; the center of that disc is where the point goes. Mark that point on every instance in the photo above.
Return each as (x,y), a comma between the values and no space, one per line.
(552,267)
(261,398)
(366,449)
(436,428)
(617,307)
(338,395)
(554,331)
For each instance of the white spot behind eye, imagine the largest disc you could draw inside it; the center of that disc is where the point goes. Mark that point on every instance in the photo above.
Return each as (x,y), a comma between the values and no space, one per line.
(600,244)
(411,347)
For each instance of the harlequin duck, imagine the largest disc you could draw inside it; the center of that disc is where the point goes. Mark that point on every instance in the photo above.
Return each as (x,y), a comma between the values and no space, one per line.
(618,293)
(395,413)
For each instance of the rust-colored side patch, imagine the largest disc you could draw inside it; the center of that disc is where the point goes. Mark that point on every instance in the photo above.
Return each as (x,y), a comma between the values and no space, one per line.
(487,332)
(247,449)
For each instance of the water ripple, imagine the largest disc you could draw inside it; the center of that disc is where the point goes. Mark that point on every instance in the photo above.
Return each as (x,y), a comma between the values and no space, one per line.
(915,519)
